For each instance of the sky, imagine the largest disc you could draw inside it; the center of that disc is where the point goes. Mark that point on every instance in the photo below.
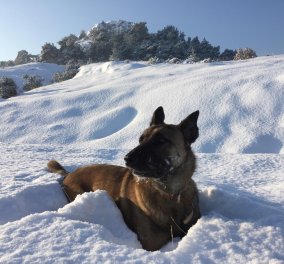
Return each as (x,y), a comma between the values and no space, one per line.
(258,24)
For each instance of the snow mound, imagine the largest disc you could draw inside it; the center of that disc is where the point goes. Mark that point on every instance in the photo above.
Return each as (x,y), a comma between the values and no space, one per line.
(106,104)
(98,116)
(43,70)
(240,198)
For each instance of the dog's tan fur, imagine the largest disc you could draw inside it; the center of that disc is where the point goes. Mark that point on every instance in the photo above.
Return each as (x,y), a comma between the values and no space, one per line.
(154,208)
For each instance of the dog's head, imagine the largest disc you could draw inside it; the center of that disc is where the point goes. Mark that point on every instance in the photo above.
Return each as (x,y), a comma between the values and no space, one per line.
(163,147)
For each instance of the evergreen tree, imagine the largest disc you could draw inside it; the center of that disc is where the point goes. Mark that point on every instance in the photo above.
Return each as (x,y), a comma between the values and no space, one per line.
(207,51)
(49,53)
(120,49)
(8,63)
(170,43)
(83,34)
(101,50)
(137,39)
(227,55)
(23,57)
(69,49)
(8,87)
(195,49)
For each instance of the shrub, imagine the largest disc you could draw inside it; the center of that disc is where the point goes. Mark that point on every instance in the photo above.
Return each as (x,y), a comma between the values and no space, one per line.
(155,60)
(244,54)
(173,61)
(32,82)
(70,71)
(8,88)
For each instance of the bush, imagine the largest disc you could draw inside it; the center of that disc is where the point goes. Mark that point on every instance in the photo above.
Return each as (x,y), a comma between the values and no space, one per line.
(173,61)
(155,60)
(8,88)
(244,54)
(32,82)
(227,55)
(70,71)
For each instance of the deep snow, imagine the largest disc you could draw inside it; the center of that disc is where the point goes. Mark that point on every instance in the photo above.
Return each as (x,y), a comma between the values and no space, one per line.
(44,70)
(98,116)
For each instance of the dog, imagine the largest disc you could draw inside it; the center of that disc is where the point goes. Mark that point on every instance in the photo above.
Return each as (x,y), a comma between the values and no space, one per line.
(155,191)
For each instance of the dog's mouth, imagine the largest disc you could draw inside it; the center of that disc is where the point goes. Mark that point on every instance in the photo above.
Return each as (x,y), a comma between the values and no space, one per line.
(148,167)
(150,173)
(139,173)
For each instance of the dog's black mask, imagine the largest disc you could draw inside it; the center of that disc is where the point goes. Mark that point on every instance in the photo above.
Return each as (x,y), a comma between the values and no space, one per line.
(162,147)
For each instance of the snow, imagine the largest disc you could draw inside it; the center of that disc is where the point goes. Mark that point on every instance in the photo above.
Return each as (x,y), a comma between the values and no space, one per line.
(43,70)
(98,116)
(114,26)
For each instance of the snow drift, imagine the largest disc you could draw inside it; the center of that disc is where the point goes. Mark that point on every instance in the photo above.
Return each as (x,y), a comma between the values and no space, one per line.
(107,104)
(98,116)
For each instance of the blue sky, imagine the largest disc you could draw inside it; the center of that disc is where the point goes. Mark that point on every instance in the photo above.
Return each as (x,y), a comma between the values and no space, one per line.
(258,24)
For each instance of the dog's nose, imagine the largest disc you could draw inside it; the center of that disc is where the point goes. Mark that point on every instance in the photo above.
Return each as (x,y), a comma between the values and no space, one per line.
(128,158)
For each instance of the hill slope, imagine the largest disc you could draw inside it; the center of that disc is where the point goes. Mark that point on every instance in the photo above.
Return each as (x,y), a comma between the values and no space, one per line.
(98,116)
(240,103)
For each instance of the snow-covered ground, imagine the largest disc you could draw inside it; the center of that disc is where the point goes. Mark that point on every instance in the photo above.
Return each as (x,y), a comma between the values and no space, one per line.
(98,116)
(43,70)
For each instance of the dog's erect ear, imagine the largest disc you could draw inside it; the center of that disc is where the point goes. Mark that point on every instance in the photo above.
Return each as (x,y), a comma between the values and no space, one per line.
(158,117)
(189,127)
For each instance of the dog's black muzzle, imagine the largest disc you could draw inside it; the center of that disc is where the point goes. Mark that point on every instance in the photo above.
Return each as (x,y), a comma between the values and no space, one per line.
(146,164)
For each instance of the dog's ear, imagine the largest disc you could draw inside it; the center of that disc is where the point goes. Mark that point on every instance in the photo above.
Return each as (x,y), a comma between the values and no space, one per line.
(189,127)
(158,117)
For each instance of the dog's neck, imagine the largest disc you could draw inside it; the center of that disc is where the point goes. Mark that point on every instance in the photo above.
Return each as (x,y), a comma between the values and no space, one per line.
(177,180)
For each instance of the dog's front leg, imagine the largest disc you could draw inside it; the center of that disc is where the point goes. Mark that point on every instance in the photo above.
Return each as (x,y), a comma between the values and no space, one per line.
(152,237)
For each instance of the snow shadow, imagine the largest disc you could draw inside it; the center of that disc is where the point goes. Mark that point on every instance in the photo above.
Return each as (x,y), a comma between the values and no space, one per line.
(264,144)
(33,199)
(239,207)
(113,122)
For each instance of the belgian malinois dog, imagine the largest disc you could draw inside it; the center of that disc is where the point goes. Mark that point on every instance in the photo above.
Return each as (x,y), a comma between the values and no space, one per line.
(155,192)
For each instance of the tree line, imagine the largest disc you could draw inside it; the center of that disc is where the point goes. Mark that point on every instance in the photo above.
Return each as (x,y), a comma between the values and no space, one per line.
(128,41)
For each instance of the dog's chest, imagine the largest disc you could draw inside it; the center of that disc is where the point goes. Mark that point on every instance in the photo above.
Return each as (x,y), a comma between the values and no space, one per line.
(163,210)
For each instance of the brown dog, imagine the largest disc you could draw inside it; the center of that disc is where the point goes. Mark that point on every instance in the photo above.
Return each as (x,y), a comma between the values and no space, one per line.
(155,193)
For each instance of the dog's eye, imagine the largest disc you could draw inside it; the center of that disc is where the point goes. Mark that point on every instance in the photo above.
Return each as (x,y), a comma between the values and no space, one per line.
(161,140)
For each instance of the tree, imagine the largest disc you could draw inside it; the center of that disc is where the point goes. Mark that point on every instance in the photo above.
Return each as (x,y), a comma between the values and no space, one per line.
(49,53)
(8,87)
(203,50)
(120,49)
(243,54)
(7,63)
(131,44)
(69,49)
(207,51)
(227,55)
(170,43)
(23,57)
(83,34)
(136,40)
(195,49)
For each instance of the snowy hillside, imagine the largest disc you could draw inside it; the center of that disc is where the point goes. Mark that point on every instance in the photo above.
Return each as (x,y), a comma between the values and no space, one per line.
(109,104)
(43,70)
(98,116)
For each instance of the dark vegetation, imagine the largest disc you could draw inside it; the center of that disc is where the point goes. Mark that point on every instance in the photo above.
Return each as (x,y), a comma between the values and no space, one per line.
(120,40)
